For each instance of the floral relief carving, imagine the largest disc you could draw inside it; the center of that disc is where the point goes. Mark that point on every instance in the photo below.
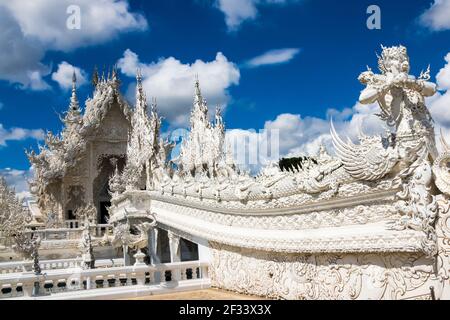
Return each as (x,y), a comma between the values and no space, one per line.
(326,276)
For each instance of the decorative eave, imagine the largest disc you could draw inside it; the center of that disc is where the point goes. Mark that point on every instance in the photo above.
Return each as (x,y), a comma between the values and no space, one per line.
(105,95)
(374,236)
(354,239)
(333,203)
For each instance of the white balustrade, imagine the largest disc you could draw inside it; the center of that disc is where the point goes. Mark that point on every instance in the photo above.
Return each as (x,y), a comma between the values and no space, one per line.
(22,266)
(72,224)
(71,233)
(99,230)
(75,279)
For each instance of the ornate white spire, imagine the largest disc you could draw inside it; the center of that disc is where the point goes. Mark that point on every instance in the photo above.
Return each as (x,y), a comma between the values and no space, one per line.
(115,78)
(143,141)
(198,94)
(73,115)
(95,77)
(74,105)
(204,148)
(200,109)
(141,99)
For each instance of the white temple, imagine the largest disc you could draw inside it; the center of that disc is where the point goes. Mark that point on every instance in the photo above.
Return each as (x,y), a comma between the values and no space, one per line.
(370,222)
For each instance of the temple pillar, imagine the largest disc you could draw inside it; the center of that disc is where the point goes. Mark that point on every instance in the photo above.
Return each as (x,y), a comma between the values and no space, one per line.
(126,256)
(174,246)
(153,246)
(175,253)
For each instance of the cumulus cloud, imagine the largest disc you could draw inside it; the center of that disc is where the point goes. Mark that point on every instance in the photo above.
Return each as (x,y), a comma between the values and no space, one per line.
(439,105)
(29,29)
(294,135)
(437,17)
(443,76)
(271,57)
(63,76)
(19,56)
(18,179)
(172,82)
(18,134)
(101,20)
(238,11)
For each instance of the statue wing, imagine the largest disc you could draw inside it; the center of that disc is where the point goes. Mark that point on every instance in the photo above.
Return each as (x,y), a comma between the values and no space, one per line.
(368,161)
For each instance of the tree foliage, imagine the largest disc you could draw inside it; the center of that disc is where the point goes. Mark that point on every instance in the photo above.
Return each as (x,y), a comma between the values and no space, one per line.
(293,164)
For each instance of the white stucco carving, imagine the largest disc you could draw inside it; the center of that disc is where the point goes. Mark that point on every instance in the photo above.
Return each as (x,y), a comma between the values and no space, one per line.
(71,158)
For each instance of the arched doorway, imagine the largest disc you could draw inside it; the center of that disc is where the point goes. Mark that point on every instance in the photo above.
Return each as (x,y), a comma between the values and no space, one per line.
(106,166)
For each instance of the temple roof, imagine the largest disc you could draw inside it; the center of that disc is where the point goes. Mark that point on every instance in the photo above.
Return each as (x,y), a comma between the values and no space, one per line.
(65,150)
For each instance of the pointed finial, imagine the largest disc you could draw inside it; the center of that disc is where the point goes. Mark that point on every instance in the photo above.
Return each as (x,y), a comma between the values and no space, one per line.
(197,82)
(103,73)
(218,110)
(95,76)
(114,73)
(73,99)
(198,93)
(154,104)
(138,76)
(115,77)
(74,83)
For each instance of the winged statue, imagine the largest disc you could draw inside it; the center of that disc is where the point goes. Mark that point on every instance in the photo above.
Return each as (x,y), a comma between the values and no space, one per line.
(371,160)
(401,99)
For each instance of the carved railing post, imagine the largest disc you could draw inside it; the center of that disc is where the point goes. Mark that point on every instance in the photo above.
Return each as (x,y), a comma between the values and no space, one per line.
(139,271)
(139,256)
(204,272)
(27,287)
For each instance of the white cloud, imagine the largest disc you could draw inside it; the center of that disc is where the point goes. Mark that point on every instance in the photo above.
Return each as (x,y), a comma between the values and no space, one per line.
(20,57)
(63,76)
(437,17)
(443,76)
(276,56)
(18,134)
(238,11)
(439,105)
(101,20)
(30,28)
(299,136)
(172,82)
(18,179)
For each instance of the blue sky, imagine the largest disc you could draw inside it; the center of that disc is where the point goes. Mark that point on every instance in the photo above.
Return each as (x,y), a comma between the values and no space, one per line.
(282,64)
